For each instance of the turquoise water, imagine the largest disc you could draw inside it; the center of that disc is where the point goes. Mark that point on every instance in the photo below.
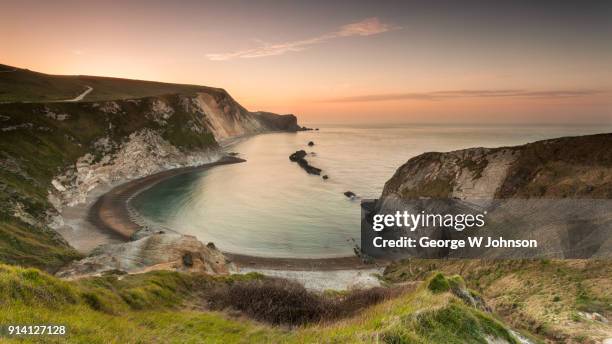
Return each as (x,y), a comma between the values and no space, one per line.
(270,207)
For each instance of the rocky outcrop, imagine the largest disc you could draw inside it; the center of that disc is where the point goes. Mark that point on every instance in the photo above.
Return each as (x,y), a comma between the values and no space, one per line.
(553,192)
(144,152)
(227,119)
(149,149)
(301,154)
(155,252)
(350,194)
(303,163)
(576,167)
(60,151)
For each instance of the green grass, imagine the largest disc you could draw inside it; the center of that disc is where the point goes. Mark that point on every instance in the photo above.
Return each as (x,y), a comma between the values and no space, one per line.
(24,85)
(31,156)
(438,284)
(539,296)
(28,245)
(162,307)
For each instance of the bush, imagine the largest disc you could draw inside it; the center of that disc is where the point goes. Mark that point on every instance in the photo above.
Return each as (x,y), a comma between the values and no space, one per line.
(279,301)
(272,300)
(438,284)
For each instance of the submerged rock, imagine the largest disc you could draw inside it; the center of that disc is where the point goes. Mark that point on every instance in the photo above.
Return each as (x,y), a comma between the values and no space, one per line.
(310,143)
(325,177)
(350,194)
(299,158)
(308,168)
(301,154)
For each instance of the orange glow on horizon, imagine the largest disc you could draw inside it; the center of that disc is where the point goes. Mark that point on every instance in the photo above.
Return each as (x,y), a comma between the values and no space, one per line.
(290,67)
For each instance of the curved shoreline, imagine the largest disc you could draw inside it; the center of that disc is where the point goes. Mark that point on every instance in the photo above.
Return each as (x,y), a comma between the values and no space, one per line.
(110,213)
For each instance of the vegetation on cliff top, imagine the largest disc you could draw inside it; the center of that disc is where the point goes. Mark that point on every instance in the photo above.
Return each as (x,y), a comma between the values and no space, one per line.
(23,85)
(171,307)
(567,167)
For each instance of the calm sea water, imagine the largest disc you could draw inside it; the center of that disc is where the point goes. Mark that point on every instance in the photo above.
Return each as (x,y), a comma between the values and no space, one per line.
(270,207)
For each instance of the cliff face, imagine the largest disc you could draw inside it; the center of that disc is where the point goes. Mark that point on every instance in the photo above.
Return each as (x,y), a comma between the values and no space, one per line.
(53,154)
(556,192)
(556,177)
(154,252)
(180,130)
(225,118)
(570,167)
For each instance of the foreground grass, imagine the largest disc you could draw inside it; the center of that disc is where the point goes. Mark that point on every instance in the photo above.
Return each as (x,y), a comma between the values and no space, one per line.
(165,307)
(548,298)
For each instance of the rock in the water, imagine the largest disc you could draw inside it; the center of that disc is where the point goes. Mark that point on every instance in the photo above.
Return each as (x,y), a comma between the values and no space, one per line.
(350,194)
(325,177)
(154,252)
(301,154)
(299,158)
(310,143)
(308,168)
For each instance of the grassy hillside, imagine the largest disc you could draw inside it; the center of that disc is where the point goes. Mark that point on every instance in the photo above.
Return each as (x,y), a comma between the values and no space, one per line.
(42,137)
(169,307)
(34,147)
(550,298)
(572,167)
(22,85)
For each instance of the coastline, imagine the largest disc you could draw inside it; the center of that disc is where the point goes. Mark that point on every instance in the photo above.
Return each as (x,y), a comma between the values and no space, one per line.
(110,214)
(110,211)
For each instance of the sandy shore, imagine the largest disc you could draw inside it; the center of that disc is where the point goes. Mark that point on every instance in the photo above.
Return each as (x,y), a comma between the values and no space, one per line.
(110,212)
(109,220)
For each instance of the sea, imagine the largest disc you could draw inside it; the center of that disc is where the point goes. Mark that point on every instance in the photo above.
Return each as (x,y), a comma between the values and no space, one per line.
(270,207)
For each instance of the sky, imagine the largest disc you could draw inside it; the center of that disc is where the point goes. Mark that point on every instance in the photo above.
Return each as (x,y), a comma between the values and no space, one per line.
(336,61)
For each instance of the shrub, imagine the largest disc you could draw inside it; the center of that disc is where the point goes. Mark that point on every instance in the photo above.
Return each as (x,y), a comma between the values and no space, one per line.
(279,301)
(271,300)
(438,284)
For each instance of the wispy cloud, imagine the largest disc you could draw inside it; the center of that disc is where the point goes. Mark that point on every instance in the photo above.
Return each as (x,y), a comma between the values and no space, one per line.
(366,27)
(453,94)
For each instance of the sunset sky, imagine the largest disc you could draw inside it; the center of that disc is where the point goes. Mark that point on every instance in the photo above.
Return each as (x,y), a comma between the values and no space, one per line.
(376,61)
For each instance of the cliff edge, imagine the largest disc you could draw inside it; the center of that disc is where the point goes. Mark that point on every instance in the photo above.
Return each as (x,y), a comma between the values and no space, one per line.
(54,152)
(568,167)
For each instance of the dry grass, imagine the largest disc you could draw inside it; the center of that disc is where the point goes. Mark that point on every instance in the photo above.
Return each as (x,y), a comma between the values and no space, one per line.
(540,296)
